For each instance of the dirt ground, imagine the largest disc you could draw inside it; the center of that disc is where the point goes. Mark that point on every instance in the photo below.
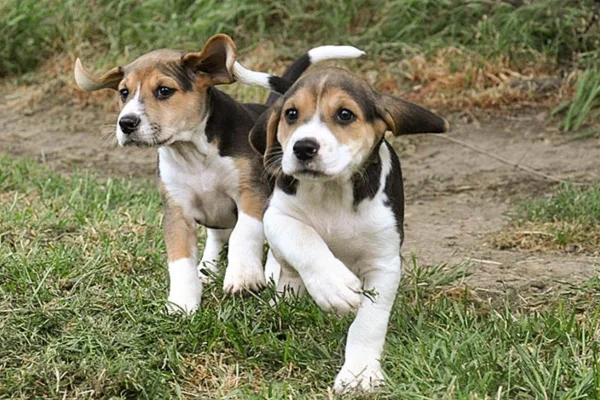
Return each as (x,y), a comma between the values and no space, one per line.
(455,197)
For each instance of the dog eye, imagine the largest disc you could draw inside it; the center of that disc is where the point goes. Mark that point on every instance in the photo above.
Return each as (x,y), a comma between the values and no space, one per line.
(291,115)
(124,93)
(164,92)
(345,116)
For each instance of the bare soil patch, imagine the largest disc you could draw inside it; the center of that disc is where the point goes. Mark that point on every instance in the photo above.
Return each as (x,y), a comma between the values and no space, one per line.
(455,198)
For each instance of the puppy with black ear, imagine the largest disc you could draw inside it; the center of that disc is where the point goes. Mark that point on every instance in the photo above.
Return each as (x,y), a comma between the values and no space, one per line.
(335,219)
(208,173)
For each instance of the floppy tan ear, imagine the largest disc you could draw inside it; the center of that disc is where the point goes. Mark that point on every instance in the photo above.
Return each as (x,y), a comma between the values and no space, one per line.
(87,81)
(263,136)
(215,61)
(405,118)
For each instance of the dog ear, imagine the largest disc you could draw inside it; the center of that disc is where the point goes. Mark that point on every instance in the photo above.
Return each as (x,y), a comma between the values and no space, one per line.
(215,62)
(405,118)
(263,136)
(88,82)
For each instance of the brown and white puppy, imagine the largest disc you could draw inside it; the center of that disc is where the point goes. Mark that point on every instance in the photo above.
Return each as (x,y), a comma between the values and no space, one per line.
(208,173)
(335,219)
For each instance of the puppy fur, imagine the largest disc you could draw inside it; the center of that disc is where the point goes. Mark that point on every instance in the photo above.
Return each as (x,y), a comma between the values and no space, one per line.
(208,173)
(335,219)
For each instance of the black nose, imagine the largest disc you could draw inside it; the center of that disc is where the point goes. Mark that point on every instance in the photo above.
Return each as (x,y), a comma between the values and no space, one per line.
(128,123)
(306,149)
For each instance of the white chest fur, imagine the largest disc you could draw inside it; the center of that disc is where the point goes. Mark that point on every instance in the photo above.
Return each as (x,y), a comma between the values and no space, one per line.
(200,181)
(353,233)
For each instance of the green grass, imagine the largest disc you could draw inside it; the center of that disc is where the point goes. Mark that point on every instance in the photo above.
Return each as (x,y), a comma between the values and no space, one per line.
(31,30)
(584,107)
(82,297)
(569,219)
(554,37)
(569,203)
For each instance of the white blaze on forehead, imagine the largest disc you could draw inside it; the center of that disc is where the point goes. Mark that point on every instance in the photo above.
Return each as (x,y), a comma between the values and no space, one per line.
(315,128)
(332,157)
(133,106)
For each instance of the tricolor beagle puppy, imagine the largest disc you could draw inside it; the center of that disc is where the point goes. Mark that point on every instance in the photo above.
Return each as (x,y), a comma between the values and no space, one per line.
(335,219)
(208,173)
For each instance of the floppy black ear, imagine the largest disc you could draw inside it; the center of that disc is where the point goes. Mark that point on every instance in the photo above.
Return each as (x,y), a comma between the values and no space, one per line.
(215,61)
(263,136)
(405,118)
(258,133)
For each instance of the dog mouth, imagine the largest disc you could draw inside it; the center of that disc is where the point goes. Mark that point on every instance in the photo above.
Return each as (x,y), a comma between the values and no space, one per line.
(310,174)
(152,142)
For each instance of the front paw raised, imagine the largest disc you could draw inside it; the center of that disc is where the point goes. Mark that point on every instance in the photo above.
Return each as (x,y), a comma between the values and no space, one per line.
(335,288)
(364,378)
(239,278)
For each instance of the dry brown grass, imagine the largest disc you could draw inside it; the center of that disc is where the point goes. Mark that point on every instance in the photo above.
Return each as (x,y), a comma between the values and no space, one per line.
(451,79)
(456,79)
(569,237)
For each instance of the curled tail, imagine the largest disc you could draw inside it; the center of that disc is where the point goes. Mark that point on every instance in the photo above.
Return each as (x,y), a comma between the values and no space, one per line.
(279,85)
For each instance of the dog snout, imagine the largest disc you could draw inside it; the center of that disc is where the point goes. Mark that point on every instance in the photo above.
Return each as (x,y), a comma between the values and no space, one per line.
(306,149)
(129,123)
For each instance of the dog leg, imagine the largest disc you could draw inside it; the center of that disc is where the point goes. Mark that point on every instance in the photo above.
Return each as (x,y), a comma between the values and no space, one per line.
(244,257)
(272,268)
(289,282)
(215,240)
(366,337)
(330,283)
(185,288)
(244,267)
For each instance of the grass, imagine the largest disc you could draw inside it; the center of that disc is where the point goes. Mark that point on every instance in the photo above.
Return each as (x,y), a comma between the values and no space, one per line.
(82,315)
(389,29)
(584,107)
(472,41)
(569,220)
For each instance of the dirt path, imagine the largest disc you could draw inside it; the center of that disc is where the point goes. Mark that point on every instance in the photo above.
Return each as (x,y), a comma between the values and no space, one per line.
(455,197)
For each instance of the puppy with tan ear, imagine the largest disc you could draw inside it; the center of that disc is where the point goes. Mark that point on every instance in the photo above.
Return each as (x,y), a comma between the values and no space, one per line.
(208,173)
(335,219)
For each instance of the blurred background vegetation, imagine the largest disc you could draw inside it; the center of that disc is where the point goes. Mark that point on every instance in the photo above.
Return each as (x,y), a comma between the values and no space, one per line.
(451,53)
(556,31)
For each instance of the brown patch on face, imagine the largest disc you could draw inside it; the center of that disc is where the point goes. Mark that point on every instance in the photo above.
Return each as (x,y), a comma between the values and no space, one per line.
(180,233)
(253,191)
(305,101)
(183,110)
(360,133)
(327,96)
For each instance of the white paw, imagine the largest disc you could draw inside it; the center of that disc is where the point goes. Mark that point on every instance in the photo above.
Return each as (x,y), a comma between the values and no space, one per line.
(207,271)
(239,278)
(183,304)
(364,378)
(185,289)
(335,288)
